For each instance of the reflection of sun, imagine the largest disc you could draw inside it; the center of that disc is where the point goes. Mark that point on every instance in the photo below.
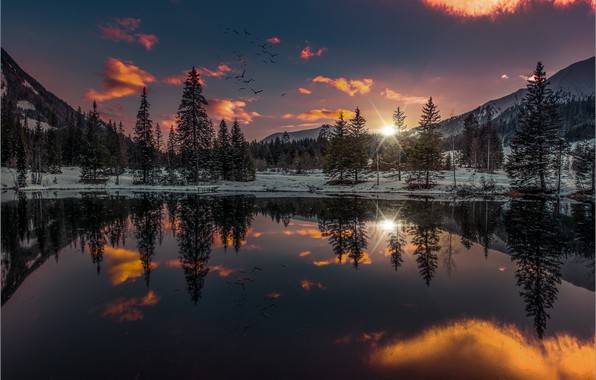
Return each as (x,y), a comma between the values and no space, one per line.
(388,130)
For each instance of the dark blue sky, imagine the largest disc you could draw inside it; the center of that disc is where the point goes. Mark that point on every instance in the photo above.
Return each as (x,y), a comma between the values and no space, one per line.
(375,54)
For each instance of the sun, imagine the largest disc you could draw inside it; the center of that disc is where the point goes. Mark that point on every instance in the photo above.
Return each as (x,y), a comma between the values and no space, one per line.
(388,130)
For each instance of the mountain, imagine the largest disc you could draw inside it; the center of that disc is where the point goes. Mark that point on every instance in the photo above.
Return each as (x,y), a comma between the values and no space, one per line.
(574,86)
(32,99)
(297,135)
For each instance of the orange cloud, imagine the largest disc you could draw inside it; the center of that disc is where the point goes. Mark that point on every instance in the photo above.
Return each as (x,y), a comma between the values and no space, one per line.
(121,30)
(129,309)
(228,109)
(274,40)
(124,265)
(350,87)
(121,79)
(316,114)
(222,271)
(305,253)
(307,53)
(392,95)
(304,91)
(308,285)
(500,351)
(166,120)
(493,8)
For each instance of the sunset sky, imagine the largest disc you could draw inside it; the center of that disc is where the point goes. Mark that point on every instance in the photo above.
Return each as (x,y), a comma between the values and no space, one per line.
(327,55)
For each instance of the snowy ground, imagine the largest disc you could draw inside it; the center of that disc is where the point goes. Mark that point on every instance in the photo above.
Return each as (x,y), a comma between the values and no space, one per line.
(277,182)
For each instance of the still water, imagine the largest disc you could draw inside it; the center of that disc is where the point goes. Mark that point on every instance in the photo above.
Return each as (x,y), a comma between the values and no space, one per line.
(185,286)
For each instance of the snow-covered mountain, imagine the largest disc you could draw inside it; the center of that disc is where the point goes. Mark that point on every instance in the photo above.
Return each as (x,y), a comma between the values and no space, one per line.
(574,86)
(31,98)
(297,135)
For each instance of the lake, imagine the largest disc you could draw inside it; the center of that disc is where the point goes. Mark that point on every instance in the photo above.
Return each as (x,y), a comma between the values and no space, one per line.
(156,286)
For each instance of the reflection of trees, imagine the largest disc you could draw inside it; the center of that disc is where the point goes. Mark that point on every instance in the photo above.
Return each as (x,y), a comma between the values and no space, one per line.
(195,236)
(343,221)
(536,244)
(426,219)
(396,244)
(233,216)
(147,222)
(478,222)
(93,220)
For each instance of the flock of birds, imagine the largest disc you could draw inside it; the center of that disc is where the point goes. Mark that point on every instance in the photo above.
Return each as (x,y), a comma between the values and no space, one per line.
(263,51)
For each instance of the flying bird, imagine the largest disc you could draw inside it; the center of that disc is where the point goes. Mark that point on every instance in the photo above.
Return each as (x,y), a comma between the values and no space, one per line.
(255,91)
(245,32)
(248,81)
(284,94)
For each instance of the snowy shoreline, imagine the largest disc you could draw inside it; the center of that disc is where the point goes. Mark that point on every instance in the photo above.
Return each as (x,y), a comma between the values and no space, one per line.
(277,184)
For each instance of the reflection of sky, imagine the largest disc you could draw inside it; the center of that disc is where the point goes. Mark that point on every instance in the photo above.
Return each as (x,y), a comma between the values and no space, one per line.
(334,313)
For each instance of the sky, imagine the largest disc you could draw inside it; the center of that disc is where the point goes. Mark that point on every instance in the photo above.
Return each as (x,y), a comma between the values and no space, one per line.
(307,59)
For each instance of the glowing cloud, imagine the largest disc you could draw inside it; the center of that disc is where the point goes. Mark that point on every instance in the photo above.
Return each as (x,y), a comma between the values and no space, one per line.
(124,265)
(178,80)
(504,76)
(320,114)
(350,87)
(222,271)
(307,53)
(228,109)
(392,95)
(308,285)
(304,91)
(121,29)
(492,8)
(305,253)
(120,79)
(274,40)
(499,352)
(129,309)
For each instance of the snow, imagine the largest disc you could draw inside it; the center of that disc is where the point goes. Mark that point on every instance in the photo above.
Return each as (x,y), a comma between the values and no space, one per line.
(278,184)
(28,85)
(25,105)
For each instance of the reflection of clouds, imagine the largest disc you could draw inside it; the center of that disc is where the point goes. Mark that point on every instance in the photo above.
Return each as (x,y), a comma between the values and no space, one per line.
(223,271)
(123,265)
(129,309)
(365,259)
(476,349)
(308,232)
(308,285)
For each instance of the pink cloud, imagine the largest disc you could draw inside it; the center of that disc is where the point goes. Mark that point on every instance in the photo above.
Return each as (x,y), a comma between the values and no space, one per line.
(177,80)
(304,91)
(274,40)
(229,109)
(121,29)
(392,95)
(147,40)
(121,78)
(307,53)
(350,87)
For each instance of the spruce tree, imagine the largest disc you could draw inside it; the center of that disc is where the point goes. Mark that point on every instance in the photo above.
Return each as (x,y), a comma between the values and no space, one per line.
(158,146)
(94,153)
(470,140)
(171,156)
(242,163)
(22,157)
(222,152)
(144,154)
(37,154)
(357,142)
(530,164)
(425,158)
(194,131)
(53,149)
(584,167)
(399,121)
(336,159)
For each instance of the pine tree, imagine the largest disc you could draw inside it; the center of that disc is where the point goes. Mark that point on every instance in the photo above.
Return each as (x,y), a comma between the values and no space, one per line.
(37,154)
(94,153)
(583,167)
(399,121)
(242,163)
(22,157)
(530,164)
(357,142)
(144,155)
(9,132)
(53,148)
(336,160)
(194,130)
(222,152)
(171,156)
(158,146)
(470,140)
(425,158)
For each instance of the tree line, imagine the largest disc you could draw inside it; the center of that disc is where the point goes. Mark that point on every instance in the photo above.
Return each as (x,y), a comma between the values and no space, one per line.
(192,153)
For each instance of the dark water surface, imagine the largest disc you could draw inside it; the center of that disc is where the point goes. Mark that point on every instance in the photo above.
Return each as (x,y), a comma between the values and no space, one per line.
(186,286)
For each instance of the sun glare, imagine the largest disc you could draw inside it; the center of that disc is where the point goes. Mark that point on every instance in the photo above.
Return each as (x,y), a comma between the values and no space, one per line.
(388,130)
(388,225)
